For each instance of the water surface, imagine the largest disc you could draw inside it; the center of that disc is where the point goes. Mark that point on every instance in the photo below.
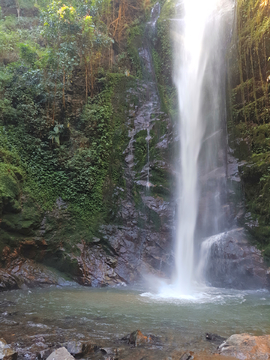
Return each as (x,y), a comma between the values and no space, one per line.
(107,314)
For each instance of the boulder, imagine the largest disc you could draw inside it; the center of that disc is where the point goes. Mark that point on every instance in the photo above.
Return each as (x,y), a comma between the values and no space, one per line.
(25,272)
(108,351)
(79,349)
(187,356)
(246,347)
(7,281)
(60,354)
(6,353)
(137,338)
(234,262)
(214,338)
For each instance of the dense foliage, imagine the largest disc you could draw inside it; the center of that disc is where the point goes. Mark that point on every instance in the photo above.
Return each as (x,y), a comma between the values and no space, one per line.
(249,123)
(63,66)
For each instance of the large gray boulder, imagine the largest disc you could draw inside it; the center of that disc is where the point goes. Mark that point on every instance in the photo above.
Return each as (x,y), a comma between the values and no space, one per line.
(235,263)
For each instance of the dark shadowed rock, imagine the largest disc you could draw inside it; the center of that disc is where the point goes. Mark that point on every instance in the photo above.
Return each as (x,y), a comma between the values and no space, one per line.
(186,356)
(214,338)
(108,351)
(7,281)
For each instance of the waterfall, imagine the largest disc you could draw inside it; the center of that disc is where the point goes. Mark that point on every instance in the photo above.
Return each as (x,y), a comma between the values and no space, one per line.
(198,71)
(148,138)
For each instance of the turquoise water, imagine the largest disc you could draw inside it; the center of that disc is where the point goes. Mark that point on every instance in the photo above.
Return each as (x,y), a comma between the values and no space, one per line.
(107,314)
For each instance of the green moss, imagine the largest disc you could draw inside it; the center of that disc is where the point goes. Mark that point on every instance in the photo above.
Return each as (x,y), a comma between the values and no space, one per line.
(266,253)
(134,42)
(162,55)
(25,221)
(10,177)
(61,261)
(140,152)
(168,10)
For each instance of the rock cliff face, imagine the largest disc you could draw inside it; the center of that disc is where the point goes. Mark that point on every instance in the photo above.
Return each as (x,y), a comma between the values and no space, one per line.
(138,240)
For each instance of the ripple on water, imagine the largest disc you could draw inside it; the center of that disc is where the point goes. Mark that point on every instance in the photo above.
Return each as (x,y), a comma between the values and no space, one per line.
(113,313)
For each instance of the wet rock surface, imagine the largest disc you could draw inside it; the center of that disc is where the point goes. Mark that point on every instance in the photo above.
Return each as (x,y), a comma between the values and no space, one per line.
(6,352)
(140,239)
(23,272)
(234,263)
(246,347)
(80,349)
(214,338)
(135,346)
(35,336)
(60,354)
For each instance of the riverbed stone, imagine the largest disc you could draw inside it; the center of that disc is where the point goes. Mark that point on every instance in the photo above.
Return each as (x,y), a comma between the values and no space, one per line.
(6,352)
(186,356)
(137,338)
(214,338)
(79,348)
(60,354)
(246,347)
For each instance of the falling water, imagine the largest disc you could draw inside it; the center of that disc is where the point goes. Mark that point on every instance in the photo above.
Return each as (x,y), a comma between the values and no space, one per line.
(197,72)
(148,138)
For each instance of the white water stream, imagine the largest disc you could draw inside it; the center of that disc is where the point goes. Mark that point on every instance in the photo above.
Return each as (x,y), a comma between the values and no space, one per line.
(197,68)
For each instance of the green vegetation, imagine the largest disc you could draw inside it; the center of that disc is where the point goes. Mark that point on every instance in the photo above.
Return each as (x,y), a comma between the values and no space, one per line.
(70,74)
(249,124)
(162,50)
(65,68)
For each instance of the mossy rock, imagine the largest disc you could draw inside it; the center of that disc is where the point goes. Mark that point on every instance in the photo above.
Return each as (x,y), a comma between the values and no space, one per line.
(10,178)
(266,254)
(62,261)
(262,234)
(162,55)
(26,221)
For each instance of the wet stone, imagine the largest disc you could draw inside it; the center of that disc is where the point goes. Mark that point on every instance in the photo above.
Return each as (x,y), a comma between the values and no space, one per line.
(60,354)
(108,351)
(214,338)
(79,349)
(247,347)
(137,338)
(6,353)
(186,356)
(43,354)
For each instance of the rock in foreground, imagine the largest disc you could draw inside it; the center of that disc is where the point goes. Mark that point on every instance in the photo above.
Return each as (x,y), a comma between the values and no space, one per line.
(61,354)
(6,353)
(25,272)
(246,347)
(80,349)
